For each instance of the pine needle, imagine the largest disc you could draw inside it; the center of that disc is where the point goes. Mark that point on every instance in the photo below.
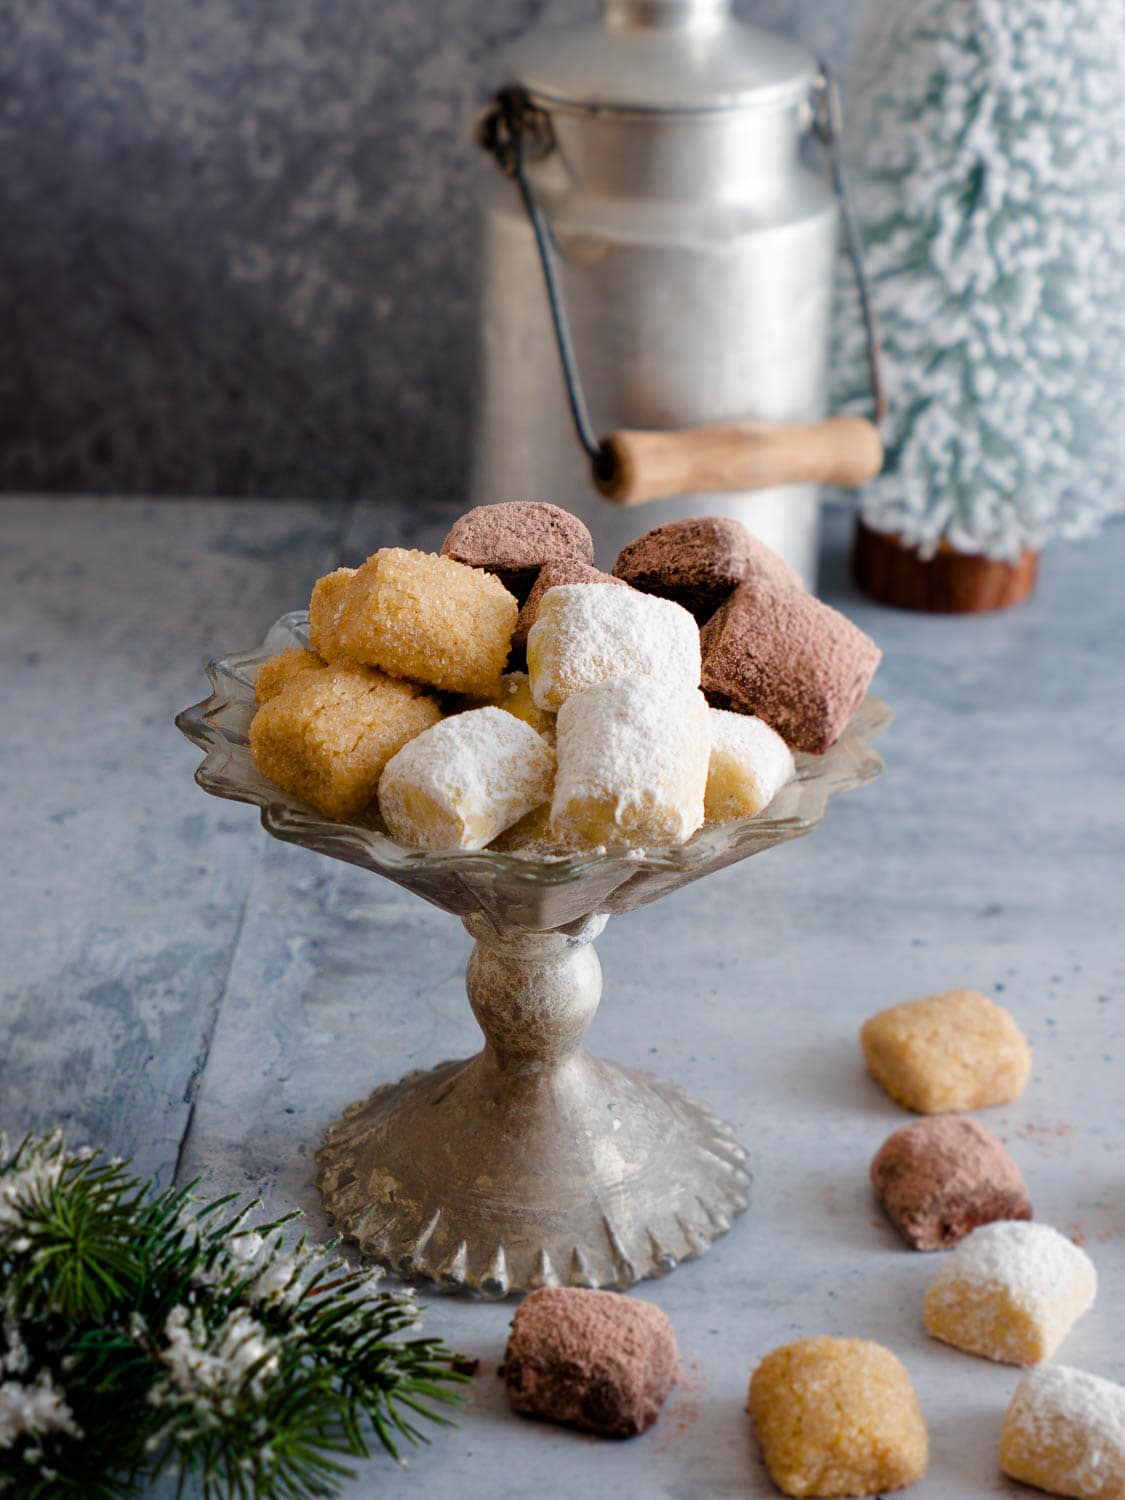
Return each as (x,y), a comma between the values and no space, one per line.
(148,1333)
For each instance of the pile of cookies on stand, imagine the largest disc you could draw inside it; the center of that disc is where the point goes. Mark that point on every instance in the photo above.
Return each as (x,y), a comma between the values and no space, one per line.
(507,694)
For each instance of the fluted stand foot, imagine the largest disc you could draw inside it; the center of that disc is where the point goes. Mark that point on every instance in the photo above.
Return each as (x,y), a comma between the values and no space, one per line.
(533,1163)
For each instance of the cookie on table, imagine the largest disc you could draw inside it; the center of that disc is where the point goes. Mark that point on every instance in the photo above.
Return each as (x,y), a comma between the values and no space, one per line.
(837,1417)
(514,539)
(279,671)
(601,1361)
(1065,1433)
(940,1179)
(699,562)
(946,1053)
(328,734)
(781,654)
(1010,1292)
(429,619)
(552,575)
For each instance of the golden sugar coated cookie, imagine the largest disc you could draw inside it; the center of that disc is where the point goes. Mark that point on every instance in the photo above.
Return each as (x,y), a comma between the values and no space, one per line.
(1065,1433)
(326,736)
(466,780)
(1011,1292)
(279,671)
(428,618)
(947,1053)
(325,607)
(837,1417)
(750,763)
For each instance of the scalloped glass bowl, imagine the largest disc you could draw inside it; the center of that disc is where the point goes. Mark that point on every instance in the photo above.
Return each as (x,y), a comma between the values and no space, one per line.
(532,1163)
(511,889)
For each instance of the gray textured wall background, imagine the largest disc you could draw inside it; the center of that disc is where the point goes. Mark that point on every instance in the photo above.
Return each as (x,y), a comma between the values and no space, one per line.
(235,237)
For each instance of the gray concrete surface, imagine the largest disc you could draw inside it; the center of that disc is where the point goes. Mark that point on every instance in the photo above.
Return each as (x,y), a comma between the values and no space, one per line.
(183,989)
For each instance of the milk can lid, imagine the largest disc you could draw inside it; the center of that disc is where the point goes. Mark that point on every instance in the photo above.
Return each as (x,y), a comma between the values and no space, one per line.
(668,55)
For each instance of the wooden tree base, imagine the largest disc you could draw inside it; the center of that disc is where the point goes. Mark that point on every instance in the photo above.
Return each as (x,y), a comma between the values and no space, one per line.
(950,582)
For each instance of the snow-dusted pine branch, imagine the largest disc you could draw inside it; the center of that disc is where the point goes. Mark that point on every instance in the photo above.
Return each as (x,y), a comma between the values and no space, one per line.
(145,1333)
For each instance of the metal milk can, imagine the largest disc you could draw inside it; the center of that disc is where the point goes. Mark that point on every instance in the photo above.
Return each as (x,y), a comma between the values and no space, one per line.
(658,259)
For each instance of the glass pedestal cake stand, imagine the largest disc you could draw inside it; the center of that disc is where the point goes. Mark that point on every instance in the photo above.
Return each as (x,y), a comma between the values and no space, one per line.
(533,1163)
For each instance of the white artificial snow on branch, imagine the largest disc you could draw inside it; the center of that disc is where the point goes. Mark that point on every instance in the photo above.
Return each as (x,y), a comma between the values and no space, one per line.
(987,154)
(214,1370)
(32,1411)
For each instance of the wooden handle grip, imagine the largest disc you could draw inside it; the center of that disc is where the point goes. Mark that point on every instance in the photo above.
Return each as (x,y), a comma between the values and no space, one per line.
(638,466)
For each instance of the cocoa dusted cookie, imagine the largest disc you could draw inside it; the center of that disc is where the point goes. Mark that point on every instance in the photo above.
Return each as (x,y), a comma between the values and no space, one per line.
(597,1360)
(514,540)
(795,662)
(551,575)
(699,562)
(940,1179)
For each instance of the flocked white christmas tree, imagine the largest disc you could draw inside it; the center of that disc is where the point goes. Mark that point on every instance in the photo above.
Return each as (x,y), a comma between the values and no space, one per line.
(987,156)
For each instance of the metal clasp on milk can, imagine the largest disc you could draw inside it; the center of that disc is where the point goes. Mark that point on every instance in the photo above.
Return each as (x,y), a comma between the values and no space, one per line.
(679,328)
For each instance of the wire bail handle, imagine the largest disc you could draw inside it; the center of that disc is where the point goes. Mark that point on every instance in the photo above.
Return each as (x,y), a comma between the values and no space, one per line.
(512,129)
(828,127)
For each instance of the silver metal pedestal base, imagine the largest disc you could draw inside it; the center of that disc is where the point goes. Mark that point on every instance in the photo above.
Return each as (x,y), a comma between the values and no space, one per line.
(532,1164)
(439,1176)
